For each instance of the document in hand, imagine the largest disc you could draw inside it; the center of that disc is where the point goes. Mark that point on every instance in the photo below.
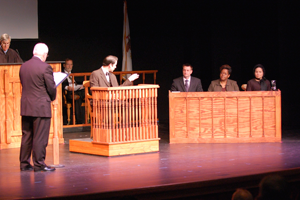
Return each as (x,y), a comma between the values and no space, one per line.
(59,77)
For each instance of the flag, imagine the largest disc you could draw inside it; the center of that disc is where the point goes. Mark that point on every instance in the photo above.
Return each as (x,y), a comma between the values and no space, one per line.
(127,62)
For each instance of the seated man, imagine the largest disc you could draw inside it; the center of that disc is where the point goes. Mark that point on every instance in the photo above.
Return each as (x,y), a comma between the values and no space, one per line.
(79,96)
(187,83)
(8,55)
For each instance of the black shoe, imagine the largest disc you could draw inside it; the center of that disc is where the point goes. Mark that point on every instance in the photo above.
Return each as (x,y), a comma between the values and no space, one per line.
(45,169)
(27,168)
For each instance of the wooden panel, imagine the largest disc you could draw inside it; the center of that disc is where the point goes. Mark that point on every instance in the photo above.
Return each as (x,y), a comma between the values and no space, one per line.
(225,117)
(269,117)
(10,95)
(231,119)
(180,127)
(244,122)
(206,118)
(256,117)
(218,117)
(192,119)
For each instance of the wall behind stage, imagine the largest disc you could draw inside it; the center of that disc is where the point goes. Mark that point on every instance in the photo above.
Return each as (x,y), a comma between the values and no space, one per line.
(166,34)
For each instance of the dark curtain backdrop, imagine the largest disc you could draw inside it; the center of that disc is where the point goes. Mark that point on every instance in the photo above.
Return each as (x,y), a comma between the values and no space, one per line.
(166,34)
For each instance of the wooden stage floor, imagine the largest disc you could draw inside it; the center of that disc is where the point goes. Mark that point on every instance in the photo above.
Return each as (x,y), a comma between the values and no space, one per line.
(174,172)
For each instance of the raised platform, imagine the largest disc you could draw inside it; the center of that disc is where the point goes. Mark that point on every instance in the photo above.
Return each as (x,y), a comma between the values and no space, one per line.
(178,171)
(87,146)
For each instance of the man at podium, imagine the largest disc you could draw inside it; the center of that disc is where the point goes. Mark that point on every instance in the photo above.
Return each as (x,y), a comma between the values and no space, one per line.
(8,55)
(104,77)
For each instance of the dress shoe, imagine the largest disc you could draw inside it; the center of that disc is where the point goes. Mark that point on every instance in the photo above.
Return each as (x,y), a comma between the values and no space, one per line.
(27,168)
(45,169)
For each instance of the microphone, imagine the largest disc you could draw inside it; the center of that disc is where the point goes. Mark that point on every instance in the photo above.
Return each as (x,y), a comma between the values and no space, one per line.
(18,53)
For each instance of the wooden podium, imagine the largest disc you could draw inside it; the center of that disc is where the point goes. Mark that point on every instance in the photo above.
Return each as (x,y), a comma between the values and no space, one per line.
(10,99)
(225,117)
(124,121)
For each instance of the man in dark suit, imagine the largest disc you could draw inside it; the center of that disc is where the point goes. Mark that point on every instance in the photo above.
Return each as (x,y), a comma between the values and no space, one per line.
(187,83)
(79,96)
(38,90)
(104,77)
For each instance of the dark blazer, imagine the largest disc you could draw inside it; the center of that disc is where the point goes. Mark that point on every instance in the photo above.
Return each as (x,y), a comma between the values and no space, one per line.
(253,85)
(64,83)
(98,79)
(215,86)
(11,56)
(195,85)
(38,88)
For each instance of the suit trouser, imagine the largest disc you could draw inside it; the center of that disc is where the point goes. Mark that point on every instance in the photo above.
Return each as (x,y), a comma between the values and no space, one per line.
(35,135)
(79,110)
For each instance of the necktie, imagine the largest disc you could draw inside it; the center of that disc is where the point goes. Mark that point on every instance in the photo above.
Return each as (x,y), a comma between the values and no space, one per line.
(71,80)
(186,85)
(107,76)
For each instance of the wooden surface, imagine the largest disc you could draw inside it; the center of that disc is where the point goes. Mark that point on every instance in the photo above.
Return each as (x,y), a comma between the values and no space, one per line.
(10,98)
(224,117)
(117,149)
(123,115)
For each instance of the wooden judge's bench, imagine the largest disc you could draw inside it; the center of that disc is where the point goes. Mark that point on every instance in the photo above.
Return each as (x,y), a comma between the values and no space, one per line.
(225,117)
(10,99)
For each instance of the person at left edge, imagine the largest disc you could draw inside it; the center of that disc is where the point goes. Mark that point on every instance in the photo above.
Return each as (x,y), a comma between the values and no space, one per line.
(8,55)
(187,83)
(38,90)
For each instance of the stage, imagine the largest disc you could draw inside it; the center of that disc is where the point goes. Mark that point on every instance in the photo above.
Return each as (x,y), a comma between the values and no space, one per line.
(177,171)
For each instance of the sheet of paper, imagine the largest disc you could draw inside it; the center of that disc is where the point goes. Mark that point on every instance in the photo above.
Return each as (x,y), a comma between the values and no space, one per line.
(59,77)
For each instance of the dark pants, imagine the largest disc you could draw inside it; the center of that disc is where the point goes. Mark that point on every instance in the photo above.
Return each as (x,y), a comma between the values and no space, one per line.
(79,110)
(35,135)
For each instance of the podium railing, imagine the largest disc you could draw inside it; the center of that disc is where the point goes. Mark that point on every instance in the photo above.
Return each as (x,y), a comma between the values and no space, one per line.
(85,76)
(124,114)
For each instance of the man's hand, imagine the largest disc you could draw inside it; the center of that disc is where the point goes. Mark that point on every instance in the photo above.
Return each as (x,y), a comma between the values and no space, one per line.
(70,88)
(133,77)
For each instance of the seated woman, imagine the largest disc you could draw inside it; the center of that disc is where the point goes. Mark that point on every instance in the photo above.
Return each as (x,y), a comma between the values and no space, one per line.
(223,84)
(259,83)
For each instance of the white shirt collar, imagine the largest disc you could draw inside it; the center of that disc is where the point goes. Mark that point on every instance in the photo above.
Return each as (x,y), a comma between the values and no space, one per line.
(104,70)
(38,57)
(189,79)
(4,51)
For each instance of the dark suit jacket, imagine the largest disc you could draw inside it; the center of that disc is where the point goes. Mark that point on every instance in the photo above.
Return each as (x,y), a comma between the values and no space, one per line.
(215,86)
(11,56)
(66,82)
(98,79)
(38,88)
(195,85)
(253,85)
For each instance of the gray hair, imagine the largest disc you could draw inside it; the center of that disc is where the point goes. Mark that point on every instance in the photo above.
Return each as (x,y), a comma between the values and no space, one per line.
(40,49)
(5,37)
